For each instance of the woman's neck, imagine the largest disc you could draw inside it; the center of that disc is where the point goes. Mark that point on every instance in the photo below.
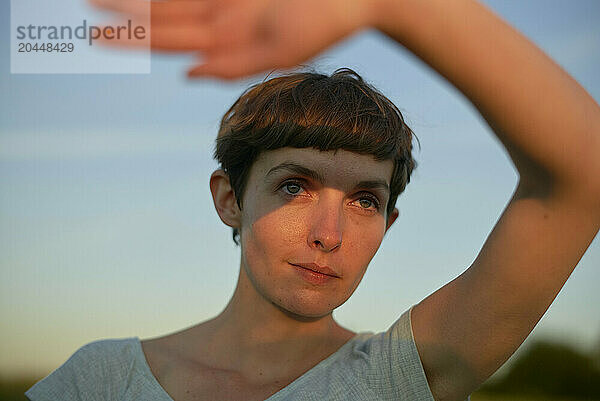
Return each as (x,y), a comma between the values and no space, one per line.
(252,332)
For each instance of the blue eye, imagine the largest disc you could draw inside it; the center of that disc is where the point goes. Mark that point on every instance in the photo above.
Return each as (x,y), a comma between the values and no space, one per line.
(367,201)
(292,187)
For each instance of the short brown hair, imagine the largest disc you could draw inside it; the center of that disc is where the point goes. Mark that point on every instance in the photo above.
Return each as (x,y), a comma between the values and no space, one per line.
(309,109)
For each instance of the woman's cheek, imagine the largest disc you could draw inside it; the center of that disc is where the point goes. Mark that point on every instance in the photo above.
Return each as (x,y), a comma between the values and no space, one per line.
(365,235)
(284,227)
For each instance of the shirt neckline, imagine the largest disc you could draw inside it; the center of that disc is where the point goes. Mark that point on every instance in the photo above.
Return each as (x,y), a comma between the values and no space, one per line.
(141,357)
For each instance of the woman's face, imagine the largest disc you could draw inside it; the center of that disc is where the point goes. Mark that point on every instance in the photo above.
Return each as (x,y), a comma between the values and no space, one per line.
(304,206)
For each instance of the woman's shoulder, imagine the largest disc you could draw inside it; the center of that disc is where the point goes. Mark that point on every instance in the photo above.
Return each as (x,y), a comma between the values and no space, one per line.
(103,358)
(108,349)
(97,370)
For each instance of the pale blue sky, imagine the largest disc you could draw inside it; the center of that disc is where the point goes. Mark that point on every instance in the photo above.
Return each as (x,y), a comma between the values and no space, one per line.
(107,227)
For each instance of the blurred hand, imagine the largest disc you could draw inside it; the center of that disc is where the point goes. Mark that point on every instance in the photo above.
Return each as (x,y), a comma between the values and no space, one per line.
(237,38)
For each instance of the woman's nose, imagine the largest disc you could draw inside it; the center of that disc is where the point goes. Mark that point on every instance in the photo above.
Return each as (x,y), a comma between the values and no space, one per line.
(326,227)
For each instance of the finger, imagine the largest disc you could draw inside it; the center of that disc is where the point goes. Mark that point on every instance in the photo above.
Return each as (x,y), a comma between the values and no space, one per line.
(181,37)
(181,11)
(130,7)
(234,64)
(167,38)
(120,35)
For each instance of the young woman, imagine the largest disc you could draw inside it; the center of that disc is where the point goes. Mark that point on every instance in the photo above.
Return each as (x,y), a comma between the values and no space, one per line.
(311,168)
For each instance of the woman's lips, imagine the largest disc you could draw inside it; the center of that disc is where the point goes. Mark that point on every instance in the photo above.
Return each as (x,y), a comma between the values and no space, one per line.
(312,276)
(317,268)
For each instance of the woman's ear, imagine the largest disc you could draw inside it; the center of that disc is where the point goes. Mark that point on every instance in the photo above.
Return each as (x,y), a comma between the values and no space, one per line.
(393,216)
(224,199)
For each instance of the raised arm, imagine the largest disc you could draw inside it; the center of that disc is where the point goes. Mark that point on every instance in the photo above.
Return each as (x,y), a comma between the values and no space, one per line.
(549,125)
(551,129)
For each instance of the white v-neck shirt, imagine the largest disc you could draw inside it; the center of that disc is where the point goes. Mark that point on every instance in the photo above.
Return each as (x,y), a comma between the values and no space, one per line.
(370,366)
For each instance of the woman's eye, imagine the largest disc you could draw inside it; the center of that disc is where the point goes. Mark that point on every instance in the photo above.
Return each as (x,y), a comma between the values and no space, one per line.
(367,202)
(292,188)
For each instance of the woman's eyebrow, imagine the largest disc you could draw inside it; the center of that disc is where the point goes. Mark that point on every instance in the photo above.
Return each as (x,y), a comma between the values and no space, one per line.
(374,184)
(315,175)
(298,169)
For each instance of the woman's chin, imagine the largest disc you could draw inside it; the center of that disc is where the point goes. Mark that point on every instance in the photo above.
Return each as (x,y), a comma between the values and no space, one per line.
(306,309)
